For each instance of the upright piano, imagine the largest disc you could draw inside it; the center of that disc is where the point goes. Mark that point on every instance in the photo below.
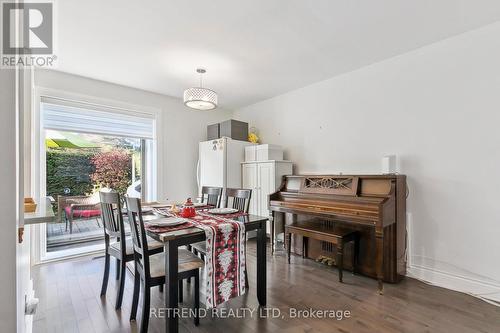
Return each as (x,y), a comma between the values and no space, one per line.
(373,205)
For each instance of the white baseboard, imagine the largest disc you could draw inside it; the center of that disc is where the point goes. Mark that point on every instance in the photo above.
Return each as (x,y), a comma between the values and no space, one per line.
(448,275)
(477,287)
(28,319)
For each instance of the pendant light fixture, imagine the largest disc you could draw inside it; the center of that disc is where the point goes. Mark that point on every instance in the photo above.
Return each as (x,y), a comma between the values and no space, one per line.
(200,98)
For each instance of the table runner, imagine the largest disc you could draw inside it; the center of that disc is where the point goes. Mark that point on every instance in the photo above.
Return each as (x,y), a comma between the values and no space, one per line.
(225,257)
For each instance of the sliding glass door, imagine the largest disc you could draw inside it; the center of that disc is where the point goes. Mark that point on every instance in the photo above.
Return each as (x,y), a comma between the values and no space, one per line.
(87,149)
(78,166)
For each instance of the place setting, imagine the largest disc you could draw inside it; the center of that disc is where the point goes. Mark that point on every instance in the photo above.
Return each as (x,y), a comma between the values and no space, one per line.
(165,224)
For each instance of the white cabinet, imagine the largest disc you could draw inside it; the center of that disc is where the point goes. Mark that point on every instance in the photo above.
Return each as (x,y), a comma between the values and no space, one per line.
(249,181)
(263,178)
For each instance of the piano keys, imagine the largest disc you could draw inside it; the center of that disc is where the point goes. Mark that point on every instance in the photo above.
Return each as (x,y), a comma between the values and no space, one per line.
(374,205)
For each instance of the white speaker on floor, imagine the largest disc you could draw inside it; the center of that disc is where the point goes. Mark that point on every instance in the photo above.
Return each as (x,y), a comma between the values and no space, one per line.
(389,164)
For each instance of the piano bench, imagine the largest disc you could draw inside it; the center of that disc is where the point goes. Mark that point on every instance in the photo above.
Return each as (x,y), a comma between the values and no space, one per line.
(335,235)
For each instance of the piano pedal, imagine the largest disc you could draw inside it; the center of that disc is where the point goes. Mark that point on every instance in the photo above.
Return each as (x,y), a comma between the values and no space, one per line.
(380,287)
(320,258)
(325,260)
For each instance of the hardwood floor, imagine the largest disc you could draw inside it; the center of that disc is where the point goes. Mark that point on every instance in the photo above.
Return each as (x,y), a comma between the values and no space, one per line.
(70,302)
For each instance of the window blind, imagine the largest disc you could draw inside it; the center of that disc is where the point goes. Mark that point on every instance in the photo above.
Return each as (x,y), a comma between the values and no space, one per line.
(81,117)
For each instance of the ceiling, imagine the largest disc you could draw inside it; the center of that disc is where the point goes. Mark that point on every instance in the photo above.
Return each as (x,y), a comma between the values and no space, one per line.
(252,49)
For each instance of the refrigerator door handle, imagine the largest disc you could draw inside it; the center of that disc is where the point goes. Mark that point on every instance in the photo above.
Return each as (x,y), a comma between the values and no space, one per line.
(198,174)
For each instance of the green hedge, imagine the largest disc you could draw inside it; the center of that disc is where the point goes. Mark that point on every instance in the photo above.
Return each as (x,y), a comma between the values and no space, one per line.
(69,168)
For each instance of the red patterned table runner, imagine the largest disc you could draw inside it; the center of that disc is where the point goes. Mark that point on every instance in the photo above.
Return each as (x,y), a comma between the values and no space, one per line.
(227,216)
(225,257)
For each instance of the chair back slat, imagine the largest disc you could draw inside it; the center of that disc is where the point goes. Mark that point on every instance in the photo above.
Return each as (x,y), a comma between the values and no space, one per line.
(212,195)
(240,198)
(111,214)
(139,237)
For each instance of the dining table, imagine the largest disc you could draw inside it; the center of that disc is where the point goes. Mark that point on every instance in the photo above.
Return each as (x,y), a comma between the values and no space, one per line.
(172,240)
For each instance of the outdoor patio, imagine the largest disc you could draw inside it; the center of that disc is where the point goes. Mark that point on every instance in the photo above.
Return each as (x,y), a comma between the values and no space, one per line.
(78,166)
(85,232)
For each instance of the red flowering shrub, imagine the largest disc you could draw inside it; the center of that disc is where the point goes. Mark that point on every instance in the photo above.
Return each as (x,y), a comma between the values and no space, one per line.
(113,169)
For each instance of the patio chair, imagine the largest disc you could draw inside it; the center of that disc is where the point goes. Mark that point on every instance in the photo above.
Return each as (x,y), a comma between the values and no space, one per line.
(78,207)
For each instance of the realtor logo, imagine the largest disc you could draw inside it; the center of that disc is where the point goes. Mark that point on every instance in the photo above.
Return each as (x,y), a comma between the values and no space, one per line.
(27,34)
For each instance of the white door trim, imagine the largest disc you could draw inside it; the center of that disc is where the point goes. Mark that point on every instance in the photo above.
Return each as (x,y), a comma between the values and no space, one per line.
(38,186)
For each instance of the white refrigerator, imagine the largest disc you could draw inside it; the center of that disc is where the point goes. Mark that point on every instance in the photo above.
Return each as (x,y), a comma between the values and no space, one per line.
(219,163)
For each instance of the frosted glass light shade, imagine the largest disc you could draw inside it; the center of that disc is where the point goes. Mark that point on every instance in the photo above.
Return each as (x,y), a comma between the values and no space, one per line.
(200,98)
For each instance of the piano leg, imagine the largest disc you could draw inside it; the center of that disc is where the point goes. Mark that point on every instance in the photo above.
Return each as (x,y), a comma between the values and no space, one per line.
(289,245)
(340,260)
(355,257)
(294,220)
(271,221)
(380,260)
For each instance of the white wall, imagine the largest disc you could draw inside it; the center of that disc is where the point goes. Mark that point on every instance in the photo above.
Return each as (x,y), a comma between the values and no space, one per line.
(438,109)
(8,203)
(181,130)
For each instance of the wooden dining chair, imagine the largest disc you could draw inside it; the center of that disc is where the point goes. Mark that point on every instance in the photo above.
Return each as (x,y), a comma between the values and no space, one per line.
(240,200)
(149,269)
(211,195)
(121,248)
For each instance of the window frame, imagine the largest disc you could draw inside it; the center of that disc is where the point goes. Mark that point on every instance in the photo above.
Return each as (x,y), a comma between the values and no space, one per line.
(155,150)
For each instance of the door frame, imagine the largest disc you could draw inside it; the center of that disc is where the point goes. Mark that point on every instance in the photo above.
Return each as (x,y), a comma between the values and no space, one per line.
(38,156)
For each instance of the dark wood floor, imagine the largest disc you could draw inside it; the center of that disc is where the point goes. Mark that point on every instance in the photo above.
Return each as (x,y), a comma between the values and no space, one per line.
(70,302)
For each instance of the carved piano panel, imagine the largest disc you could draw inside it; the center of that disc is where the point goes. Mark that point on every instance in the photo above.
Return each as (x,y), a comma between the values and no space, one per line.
(339,185)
